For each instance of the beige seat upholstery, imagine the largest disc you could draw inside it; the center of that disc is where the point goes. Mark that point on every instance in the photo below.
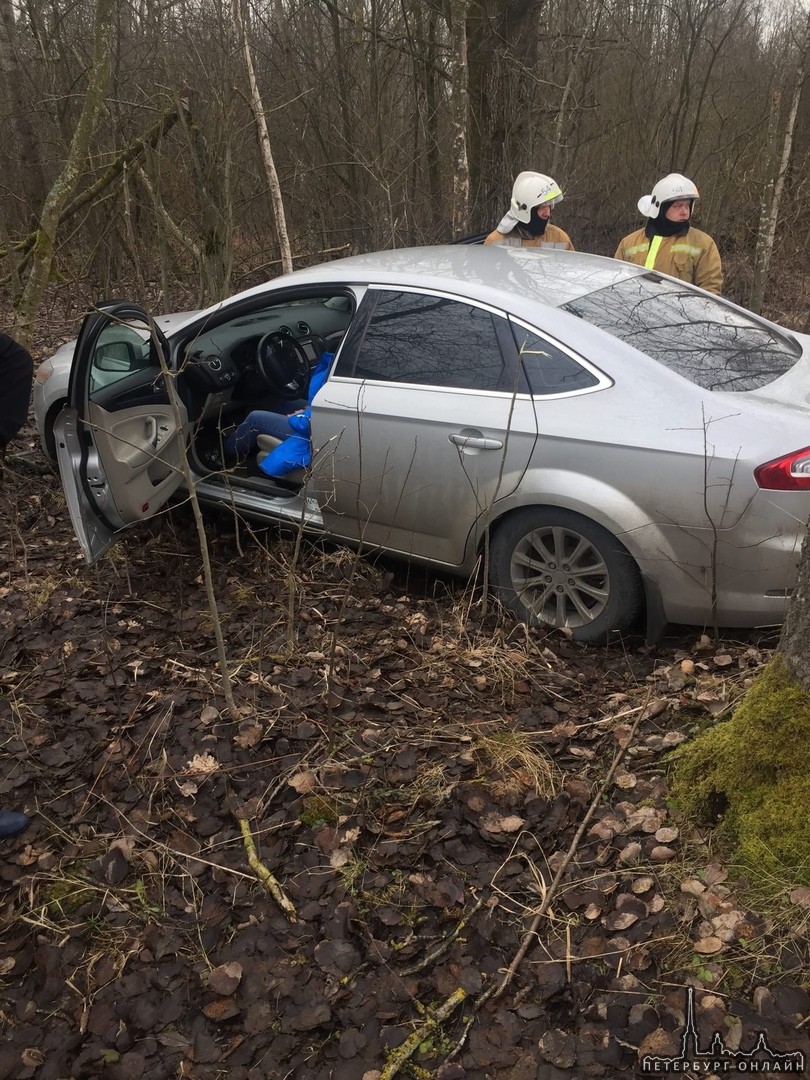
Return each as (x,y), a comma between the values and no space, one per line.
(265,444)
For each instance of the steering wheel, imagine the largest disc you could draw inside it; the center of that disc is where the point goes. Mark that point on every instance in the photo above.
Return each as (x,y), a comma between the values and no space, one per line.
(283,365)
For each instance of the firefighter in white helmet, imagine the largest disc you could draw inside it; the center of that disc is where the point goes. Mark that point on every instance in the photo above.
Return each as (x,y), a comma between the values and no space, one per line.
(669,242)
(526,223)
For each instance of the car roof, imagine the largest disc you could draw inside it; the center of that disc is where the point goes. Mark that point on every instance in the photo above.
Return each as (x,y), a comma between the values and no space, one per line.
(495,273)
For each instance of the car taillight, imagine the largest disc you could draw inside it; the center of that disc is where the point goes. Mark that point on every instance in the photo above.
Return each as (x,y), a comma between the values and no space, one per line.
(788,473)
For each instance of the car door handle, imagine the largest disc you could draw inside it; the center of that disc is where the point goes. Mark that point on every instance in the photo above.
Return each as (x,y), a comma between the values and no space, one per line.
(473,441)
(151,431)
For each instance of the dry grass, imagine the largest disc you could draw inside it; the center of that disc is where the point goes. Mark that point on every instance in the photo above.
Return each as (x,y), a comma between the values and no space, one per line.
(512,764)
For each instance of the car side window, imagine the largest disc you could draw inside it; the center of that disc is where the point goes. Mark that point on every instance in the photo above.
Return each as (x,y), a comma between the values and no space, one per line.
(548,369)
(428,340)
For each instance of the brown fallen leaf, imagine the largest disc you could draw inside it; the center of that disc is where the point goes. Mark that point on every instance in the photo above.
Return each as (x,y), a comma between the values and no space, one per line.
(630,854)
(662,853)
(711,703)
(625,780)
(667,834)
(708,946)
(714,874)
(620,920)
(221,1009)
(641,885)
(303,782)
(497,823)
(225,979)
(693,887)
(801,896)
(248,736)
(202,765)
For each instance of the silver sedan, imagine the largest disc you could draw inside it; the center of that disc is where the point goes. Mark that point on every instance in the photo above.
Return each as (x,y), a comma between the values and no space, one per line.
(603,443)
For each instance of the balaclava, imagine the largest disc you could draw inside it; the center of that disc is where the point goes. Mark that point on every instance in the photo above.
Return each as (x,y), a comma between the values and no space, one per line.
(662,226)
(536,225)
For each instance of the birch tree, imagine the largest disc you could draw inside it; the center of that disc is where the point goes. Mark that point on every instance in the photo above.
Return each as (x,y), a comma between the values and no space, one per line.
(459,106)
(772,197)
(257,108)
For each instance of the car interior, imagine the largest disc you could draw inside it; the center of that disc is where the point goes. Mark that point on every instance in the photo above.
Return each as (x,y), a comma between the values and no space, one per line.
(257,359)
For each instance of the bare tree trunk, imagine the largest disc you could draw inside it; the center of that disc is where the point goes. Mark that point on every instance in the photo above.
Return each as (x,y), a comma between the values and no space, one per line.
(66,182)
(773,194)
(795,641)
(214,250)
(459,93)
(257,108)
(30,158)
(562,122)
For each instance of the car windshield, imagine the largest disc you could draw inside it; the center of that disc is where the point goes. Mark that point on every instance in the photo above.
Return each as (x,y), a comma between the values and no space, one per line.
(698,336)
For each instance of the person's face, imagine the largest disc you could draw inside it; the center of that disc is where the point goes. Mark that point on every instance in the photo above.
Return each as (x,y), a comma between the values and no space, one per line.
(680,210)
(543,212)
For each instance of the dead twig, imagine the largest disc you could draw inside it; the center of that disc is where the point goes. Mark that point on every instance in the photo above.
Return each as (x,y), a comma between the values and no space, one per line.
(496,991)
(264,875)
(443,945)
(401,1054)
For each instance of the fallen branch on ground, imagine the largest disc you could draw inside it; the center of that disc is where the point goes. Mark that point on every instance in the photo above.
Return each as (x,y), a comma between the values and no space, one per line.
(401,1054)
(267,878)
(497,989)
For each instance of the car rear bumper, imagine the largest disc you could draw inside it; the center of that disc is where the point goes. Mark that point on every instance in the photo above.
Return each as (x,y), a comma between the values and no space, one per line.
(734,578)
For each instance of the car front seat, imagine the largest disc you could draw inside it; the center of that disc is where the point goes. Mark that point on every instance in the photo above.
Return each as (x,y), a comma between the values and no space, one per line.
(267,443)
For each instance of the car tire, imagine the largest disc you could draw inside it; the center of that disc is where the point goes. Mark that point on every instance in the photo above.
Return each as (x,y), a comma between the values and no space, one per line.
(555,568)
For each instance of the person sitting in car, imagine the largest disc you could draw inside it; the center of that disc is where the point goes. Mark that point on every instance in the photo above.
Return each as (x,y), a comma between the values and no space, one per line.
(242,441)
(527,221)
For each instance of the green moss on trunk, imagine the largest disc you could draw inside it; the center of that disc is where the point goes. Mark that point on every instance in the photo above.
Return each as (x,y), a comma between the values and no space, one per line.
(751,776)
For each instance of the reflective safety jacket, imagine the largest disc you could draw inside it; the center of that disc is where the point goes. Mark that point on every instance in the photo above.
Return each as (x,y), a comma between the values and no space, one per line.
(551,238)
(692,256)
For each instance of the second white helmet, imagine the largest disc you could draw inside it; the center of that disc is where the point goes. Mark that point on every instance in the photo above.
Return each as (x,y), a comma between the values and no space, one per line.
(673,186)
(532,189)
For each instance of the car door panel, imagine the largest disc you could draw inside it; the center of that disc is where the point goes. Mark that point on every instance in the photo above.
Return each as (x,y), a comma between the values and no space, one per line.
(139,452)
(415,469)
(119,442)
(423,426)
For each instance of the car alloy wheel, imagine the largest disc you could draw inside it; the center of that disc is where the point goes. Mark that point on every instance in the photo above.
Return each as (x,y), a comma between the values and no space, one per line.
(553,567)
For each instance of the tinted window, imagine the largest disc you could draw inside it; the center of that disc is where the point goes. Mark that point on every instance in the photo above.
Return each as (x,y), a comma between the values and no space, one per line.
(697,336)
(548,369)
(430,340)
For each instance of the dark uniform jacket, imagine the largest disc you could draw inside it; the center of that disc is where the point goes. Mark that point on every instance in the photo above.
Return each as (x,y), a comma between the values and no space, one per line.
(16,373)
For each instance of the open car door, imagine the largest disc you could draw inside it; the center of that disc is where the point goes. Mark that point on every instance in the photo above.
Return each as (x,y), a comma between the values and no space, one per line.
(118,442)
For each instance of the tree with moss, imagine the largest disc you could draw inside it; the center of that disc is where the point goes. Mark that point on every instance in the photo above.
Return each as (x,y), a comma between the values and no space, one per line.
(750,775)
(64,186)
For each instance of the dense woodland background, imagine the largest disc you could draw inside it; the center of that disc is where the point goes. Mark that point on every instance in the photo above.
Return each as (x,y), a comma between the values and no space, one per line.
(130,157)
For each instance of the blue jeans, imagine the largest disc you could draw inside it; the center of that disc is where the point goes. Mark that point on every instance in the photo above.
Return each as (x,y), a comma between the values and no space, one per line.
(242,441)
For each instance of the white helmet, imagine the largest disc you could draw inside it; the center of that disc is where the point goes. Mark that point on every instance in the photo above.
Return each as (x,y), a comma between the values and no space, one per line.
(533,189)
(671,187)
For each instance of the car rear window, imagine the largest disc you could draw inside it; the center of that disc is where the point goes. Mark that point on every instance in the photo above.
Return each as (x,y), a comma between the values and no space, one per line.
(698,336)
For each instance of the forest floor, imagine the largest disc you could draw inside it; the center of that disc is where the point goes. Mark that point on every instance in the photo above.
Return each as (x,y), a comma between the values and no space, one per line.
(415,773)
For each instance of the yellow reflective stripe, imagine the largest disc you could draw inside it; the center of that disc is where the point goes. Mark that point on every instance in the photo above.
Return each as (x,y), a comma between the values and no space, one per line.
(688,248)
(655,244)
(636,249)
